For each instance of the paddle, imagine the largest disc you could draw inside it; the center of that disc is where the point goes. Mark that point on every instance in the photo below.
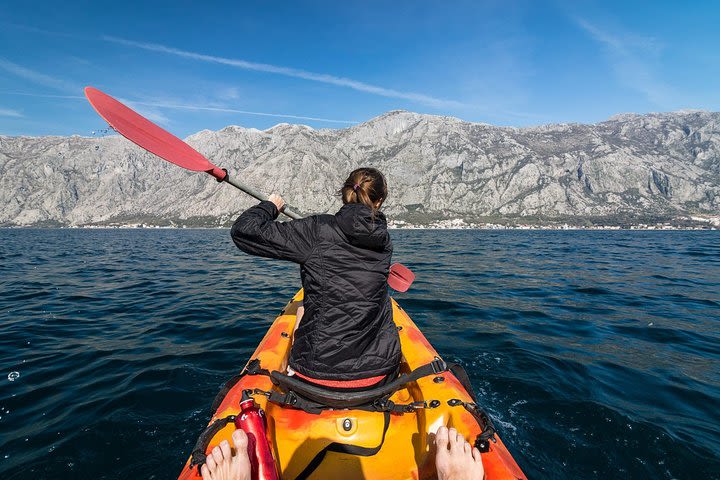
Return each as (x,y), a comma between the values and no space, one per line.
(167,146)
(400,277)
(162,143)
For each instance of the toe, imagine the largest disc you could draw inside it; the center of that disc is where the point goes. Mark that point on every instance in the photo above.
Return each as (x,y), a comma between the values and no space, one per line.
(441,438)
(479,468)
(211,464)
(242,457)
(453,434)
(467,448)
(240,440)
(225,449)
(476,455)
(217,455)
(205,472)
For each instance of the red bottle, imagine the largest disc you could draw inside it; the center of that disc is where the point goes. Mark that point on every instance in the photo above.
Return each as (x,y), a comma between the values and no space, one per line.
(252,420)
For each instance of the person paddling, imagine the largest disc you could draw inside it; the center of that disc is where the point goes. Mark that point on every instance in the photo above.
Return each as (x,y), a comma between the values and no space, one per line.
(347,337)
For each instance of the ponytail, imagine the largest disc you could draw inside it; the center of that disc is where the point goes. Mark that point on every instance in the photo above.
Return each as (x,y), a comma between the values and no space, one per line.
(366,186)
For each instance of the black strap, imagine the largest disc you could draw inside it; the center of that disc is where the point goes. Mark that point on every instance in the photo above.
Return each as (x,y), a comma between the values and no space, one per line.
(462,375)
(197,457)
(341,399)
(482,442)
(487,433)
(345,448)
(224,391)
(291,399)
(252,368)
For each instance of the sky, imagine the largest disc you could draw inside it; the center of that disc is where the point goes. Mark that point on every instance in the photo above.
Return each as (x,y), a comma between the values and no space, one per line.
(191,65)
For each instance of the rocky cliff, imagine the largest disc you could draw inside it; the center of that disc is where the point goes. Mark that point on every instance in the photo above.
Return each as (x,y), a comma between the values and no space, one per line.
(631,168)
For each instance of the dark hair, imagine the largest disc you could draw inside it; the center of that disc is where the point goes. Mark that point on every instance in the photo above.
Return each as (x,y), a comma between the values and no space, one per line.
(365,185)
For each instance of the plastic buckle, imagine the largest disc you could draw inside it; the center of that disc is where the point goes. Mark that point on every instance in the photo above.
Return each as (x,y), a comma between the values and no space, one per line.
(439,365)
(383,405)
(290,398)
(410,407)
(482,445)
(482,442)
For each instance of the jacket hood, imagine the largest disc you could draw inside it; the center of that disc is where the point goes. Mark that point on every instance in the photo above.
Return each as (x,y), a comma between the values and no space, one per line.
(362,230)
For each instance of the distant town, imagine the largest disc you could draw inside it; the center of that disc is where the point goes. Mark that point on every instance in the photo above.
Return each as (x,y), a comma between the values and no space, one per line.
(699,223)
(691,223)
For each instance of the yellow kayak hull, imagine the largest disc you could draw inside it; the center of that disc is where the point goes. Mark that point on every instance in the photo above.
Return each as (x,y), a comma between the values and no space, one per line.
(297,437)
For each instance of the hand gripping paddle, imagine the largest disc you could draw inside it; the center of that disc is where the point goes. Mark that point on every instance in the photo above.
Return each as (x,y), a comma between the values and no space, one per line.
(162,143)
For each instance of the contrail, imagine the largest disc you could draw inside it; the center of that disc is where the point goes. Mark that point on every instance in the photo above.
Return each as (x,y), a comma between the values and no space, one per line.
(43,95)
(193,107)
(292,72)
(36,77)
(245,112)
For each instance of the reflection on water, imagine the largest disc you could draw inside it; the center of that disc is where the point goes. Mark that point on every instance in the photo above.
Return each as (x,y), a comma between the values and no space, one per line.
(597,352)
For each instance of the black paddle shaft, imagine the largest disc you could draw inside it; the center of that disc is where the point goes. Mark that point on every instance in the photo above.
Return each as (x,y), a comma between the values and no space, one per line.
(260,196)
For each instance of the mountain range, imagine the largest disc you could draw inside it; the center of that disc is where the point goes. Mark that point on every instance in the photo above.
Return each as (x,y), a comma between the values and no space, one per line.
(630,169)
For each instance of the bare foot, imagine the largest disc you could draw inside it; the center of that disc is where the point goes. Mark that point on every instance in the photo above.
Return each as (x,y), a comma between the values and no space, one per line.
(455,458)
(221,464)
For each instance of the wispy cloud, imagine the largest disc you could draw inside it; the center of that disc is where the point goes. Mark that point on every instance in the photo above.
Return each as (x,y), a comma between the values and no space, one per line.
(43,95)
(156,116)
(149,111)
(6,112)
(229,93)
(293,72)
(37,77)
(630,57)
(28,28)
(209,108)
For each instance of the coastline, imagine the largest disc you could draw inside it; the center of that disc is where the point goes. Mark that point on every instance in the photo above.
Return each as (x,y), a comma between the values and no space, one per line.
(564,227)
(684,223)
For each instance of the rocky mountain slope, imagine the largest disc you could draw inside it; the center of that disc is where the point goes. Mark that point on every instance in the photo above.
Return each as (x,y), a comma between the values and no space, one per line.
(629,169)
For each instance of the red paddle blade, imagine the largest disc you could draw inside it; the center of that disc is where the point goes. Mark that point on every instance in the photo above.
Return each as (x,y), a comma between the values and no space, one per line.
(149,136)
(400,277)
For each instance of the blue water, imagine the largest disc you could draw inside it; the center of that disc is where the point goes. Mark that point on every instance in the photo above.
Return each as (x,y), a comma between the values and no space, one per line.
(598,353)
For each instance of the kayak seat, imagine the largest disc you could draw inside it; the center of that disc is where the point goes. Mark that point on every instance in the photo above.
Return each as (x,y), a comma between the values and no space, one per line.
(353,398)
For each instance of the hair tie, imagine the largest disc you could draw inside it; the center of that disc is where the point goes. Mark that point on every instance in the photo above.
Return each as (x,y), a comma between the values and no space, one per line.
(355,187)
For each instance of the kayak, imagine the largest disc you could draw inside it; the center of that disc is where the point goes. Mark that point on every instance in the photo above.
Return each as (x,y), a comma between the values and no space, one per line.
(391,439)
(299,431)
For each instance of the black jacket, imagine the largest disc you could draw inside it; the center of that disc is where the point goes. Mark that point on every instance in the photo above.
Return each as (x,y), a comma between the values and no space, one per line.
(347,331)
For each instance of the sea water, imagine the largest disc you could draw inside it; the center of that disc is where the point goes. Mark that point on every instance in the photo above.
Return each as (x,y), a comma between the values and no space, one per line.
(597,353)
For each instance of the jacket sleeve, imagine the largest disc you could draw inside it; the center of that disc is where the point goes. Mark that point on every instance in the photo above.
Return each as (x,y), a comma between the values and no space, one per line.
(256,232)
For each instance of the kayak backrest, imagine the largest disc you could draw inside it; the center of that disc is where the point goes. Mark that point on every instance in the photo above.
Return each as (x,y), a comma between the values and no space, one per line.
(342,399)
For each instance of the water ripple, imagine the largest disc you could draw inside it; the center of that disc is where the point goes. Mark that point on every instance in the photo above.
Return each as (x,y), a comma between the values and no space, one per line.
(596,352)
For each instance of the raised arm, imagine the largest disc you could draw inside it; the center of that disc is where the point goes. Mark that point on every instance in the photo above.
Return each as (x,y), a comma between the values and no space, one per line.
(256,232)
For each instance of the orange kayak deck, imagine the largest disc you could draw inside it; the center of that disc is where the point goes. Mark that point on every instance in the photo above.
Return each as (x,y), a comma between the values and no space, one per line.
(297,437)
